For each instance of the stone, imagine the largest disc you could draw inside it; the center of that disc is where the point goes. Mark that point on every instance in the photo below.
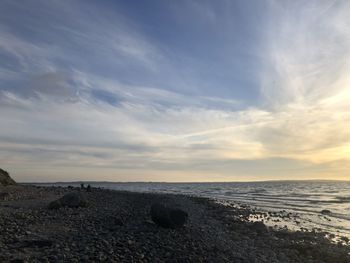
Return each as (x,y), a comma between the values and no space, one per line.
(168,217)
(326,212)
(5,178)
(37,243)
(259,227)
(72,200)
(55,204)
(4,196)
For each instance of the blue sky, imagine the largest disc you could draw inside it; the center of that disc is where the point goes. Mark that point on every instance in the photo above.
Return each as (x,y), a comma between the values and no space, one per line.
(174,90)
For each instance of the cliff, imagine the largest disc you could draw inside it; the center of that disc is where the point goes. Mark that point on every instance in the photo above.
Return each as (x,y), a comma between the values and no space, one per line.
(5,178)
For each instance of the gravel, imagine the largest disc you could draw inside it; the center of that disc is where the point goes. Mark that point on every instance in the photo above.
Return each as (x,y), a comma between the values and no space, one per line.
(116,227)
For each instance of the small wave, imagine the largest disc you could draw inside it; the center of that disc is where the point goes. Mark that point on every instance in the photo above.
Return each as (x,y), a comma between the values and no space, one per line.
(279,198)
(331,191)
(343,199)
(230,193)
(257,191)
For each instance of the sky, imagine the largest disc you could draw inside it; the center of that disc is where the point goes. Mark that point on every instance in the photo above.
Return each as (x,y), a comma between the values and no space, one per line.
(175,91)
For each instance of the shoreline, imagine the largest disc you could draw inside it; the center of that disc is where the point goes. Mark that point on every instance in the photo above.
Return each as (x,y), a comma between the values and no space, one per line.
(116,227)
(287,210)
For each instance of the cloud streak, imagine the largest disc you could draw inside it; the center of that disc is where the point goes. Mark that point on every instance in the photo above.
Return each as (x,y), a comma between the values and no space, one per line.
(81,96)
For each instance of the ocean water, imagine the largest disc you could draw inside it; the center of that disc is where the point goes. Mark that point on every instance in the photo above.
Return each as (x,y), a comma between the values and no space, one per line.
(302,200)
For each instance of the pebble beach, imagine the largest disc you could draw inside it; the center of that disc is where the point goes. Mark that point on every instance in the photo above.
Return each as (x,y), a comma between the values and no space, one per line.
(115,226)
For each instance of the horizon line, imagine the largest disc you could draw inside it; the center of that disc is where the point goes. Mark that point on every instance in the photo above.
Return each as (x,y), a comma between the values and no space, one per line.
(191,182)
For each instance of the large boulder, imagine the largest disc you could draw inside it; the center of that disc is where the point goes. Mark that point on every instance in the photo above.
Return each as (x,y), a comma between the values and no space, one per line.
(168,217)
(72,200)
(5,178)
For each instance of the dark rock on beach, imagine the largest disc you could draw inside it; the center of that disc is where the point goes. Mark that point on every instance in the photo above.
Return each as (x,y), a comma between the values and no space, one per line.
(326,212)
(37,243)
(168,217)
(72,200)
(4,195)
(259,227)
(5,178)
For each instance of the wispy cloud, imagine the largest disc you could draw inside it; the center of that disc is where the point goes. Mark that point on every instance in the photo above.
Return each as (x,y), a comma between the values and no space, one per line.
(97,94)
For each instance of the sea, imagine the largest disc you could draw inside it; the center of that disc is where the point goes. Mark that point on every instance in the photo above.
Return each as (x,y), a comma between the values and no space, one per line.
(300,202)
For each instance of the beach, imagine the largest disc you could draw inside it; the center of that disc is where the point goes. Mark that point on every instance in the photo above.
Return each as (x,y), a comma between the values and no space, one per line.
(116,226)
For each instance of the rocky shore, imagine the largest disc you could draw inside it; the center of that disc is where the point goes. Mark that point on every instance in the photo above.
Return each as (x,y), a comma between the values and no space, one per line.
(117,226)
